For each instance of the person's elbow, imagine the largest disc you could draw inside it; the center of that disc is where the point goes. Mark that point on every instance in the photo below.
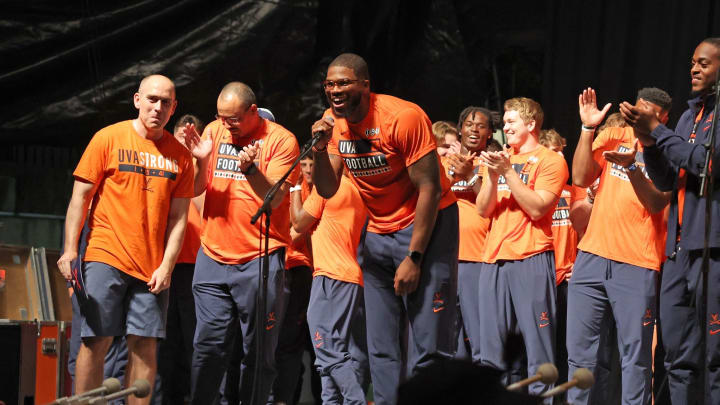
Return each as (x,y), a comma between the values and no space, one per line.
(582,179)
(536,215)
(657,206)
(326,191)
(483,210)
(539,212)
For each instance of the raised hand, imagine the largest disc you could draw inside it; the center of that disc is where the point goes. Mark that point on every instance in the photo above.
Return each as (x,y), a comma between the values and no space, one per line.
(589,113)
(461,166)
(189,137)
(248,154)
(623,159)
(642,118)
(324,126)
(498,163)
(455,147)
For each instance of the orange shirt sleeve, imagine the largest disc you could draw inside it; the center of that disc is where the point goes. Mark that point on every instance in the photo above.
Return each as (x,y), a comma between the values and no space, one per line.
(284,154)
(315,204)
(553,176)
(93,162)
(412,135)
(577,194)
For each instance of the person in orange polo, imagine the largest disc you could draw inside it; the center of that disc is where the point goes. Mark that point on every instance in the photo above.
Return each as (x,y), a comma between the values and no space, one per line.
(139,179)
(616,270)
(410,251)
(240,156)
(521,186)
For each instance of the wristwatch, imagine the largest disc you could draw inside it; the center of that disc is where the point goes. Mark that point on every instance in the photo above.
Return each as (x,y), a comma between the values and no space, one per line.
(415,256)
(631,168)
(252,169)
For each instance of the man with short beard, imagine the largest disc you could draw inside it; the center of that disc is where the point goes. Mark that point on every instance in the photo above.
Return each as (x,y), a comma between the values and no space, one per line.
(674,161)
(410,251)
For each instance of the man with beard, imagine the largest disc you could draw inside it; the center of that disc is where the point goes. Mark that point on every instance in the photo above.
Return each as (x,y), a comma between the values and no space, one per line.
(139,179)
(240,157)
(674,161)
(410,251)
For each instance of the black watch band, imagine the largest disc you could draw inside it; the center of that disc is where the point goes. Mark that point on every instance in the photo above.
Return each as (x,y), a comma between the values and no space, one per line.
(252,169)
(415,256)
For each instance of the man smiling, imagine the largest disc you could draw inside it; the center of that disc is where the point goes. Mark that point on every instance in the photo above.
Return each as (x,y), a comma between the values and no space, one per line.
(520,188)
(674,161)
(410,251)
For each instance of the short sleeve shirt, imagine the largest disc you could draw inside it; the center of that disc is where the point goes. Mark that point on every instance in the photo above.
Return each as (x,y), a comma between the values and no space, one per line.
(230,202)
(137,179)
(377,152)
(513,234)
(620,227)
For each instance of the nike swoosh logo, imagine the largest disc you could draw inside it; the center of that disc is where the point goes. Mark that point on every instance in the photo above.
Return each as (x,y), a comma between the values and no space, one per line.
(318,345)
(269,327)
(714,332)
(438,309)
(542,325)
(646,323)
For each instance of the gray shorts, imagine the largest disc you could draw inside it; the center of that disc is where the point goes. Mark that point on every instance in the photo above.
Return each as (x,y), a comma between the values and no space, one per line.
(119,304)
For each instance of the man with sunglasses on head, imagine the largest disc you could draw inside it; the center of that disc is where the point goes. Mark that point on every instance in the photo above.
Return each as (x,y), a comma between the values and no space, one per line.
(240,157)
(411,247)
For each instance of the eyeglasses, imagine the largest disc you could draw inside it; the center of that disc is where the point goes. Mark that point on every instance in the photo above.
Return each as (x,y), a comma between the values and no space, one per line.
(329,84)
(229,120)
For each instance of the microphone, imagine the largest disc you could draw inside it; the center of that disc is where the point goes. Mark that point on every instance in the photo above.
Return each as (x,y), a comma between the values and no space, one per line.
(141,388)
(109,386)
(319,134)
(547,374)
(582,378)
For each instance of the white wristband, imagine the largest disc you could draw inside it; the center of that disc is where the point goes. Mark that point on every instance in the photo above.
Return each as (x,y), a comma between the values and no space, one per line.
(295,188)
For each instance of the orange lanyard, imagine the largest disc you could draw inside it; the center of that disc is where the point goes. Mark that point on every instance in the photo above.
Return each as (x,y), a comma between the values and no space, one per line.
(682,179)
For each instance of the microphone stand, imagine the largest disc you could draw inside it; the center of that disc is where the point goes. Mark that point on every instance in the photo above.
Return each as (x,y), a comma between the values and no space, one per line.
(706,190)
(264,269)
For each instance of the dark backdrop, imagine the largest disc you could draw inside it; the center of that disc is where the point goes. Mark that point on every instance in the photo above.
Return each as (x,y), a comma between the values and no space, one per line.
(68,68)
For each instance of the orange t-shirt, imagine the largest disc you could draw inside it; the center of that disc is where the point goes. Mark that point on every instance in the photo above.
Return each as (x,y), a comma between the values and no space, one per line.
(513,235)
(298,253)
(337,236)
(137,179)
(473,227)
(620,227)
(377,151)
(191,243)
(230,202)
(565,239)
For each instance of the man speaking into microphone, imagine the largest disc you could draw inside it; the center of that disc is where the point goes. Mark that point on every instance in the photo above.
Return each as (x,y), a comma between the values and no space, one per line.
(411,248)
